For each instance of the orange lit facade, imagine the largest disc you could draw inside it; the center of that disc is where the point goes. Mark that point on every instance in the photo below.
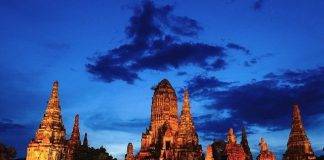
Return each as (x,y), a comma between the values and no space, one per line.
(50,140)
(298,146)
(166,137)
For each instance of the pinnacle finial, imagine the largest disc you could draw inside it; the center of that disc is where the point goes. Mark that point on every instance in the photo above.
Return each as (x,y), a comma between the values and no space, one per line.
(243,131)
(244,136)
(231,138)
(76,119)
(296,112)
(75,136)
(55,86)
(85,140)
(54,98)
(186,95)
(263,145)
(186,103)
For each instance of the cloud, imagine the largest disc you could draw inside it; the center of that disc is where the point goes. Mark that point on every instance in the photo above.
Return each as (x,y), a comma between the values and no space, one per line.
(238,47)
(156,42)
(181,73)
(257,5)
(201,86)
(8,124)
(267,102)
(250,62)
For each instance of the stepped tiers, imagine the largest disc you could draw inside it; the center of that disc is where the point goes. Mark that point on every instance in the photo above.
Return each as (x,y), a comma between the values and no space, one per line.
(265,154)
(245,145)
(130,152)
(166,138)
(50,139)
(298,146)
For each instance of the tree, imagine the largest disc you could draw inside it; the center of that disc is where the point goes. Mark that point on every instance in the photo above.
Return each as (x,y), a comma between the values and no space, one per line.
(7,153)
(90,153)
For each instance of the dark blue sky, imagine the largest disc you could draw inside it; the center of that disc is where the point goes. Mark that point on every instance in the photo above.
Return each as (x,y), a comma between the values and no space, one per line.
(244,62)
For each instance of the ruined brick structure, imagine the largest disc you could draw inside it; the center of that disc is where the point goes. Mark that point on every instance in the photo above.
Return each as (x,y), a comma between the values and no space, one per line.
(209,153)
(166,138)
(265,153)
(229,149)
(50,139)
(85,140)
(298,146)
(74,141)
(233,151)
(245,145)
(130,152)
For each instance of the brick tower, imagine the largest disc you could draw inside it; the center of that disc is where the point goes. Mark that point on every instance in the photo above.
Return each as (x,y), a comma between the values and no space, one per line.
(74,141)
(166,138)
(298,146)
(245,145)
(187,143)
(50,139)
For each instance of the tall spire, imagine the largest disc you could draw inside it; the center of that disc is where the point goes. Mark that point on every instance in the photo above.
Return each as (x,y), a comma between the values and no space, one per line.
(74,141)
(298,146)
(186,125)
(85,140)
(51,132)
(54,101)
(51,129)
(186,136)
(75,136)
(245,145)
(186,103)
(296,115)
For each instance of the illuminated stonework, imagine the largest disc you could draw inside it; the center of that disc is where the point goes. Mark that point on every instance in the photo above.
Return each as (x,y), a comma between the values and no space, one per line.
(50,139)
(298,147)
(232,150)
(166,138)
(265,154)
(227,150)
(74,141)
(209,153)
(130,152)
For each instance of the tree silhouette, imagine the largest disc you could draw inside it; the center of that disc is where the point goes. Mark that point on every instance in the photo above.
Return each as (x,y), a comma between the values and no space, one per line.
(90,153)
(7,153)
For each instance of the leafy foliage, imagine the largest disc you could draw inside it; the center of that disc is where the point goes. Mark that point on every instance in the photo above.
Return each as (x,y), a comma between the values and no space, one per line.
(7,153)
(90,153)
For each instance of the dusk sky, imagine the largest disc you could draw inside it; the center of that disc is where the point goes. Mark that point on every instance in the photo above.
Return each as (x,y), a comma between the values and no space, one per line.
(244,63)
